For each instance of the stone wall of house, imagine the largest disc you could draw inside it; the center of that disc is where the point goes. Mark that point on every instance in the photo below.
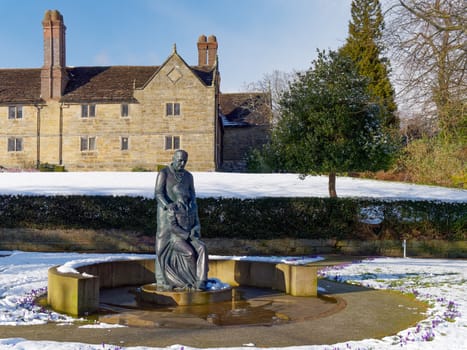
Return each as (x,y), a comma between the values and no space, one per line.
(50,133)
(196,125)
(108,128)
(238,141)
(25,129)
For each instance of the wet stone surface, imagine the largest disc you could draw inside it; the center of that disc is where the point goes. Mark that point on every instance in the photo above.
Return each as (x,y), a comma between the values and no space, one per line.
(249,306)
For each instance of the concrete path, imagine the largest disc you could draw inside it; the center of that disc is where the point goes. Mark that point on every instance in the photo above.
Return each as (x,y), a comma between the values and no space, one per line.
(348,313)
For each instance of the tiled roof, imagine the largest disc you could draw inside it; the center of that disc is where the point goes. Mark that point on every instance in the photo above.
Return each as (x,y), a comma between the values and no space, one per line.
(245,109)
(20,86)
(205,73)
(86,84)
(105,84)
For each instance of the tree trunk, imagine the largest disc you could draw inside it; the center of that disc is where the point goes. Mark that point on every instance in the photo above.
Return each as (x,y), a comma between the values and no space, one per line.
(332,185)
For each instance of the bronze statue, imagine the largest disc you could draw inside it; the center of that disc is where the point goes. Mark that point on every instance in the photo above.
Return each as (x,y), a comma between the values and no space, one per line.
(182,259)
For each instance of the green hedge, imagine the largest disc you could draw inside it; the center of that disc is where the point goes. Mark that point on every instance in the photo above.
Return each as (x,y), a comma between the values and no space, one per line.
(263,218)
(338,218)
(78,212)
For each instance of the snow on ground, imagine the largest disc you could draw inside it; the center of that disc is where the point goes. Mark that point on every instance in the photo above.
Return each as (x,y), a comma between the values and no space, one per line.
(443,283)
(440,282)
(215,184)
(23,276)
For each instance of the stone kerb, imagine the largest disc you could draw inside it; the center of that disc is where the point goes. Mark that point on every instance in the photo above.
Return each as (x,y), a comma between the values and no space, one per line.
(78,293)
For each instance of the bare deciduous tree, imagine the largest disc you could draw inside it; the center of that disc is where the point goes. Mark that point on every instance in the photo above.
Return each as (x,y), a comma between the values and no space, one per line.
(429,53)
(275,83)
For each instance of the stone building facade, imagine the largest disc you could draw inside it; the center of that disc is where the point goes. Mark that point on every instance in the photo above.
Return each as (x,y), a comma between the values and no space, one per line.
(246,120)
(121,117)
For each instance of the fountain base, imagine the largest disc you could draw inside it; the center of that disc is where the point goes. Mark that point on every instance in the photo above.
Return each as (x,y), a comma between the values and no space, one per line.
(151,294)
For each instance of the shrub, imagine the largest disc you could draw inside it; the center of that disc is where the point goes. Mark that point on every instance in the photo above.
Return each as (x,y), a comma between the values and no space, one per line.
(46,167)
(435,162)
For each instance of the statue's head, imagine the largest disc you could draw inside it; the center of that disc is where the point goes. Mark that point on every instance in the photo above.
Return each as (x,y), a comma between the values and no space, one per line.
(179,159)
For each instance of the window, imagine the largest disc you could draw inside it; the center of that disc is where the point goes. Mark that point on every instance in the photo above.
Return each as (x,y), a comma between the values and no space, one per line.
(124,110)
(172,142)
(88,111)
(88,143)
(172,109)
(124,146)
(168,109)
(15,144)
(176,108)
(15,112)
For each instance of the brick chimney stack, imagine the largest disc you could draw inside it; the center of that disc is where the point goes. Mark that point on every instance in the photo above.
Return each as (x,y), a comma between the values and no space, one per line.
(53,75)
(207,50)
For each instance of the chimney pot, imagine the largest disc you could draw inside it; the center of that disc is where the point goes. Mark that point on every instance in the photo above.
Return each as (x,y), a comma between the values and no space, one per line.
(207,50)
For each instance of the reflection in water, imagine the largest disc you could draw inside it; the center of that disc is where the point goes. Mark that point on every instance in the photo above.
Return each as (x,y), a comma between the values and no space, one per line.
(238,311)
(232,313)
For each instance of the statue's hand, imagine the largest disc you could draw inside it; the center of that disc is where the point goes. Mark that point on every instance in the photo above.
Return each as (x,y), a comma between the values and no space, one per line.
(181,204)
(171,206)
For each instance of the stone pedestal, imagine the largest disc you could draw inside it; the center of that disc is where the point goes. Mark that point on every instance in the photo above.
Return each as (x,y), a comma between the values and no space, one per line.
(150,294)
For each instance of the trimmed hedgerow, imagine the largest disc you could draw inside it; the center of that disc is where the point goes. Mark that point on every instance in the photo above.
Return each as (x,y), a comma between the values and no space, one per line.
(260,218)
(92,212)
(278,217)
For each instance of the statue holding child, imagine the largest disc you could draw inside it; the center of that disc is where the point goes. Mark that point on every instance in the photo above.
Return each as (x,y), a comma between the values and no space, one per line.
(182,259)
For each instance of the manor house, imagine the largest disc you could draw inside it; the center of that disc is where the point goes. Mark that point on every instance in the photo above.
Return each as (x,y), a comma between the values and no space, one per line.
(126,117)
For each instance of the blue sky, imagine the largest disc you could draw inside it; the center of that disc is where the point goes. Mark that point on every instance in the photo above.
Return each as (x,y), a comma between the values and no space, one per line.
(255,37)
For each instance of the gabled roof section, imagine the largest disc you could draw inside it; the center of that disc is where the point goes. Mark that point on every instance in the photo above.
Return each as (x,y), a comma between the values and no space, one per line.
(22,86)
(246,109)
(204,74)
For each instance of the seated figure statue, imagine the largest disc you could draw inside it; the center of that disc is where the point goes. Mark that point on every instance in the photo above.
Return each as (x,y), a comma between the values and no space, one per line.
(182,260)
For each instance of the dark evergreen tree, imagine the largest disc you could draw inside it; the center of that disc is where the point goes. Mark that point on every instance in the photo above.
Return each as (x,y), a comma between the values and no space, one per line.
(365,47)
(329,124)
